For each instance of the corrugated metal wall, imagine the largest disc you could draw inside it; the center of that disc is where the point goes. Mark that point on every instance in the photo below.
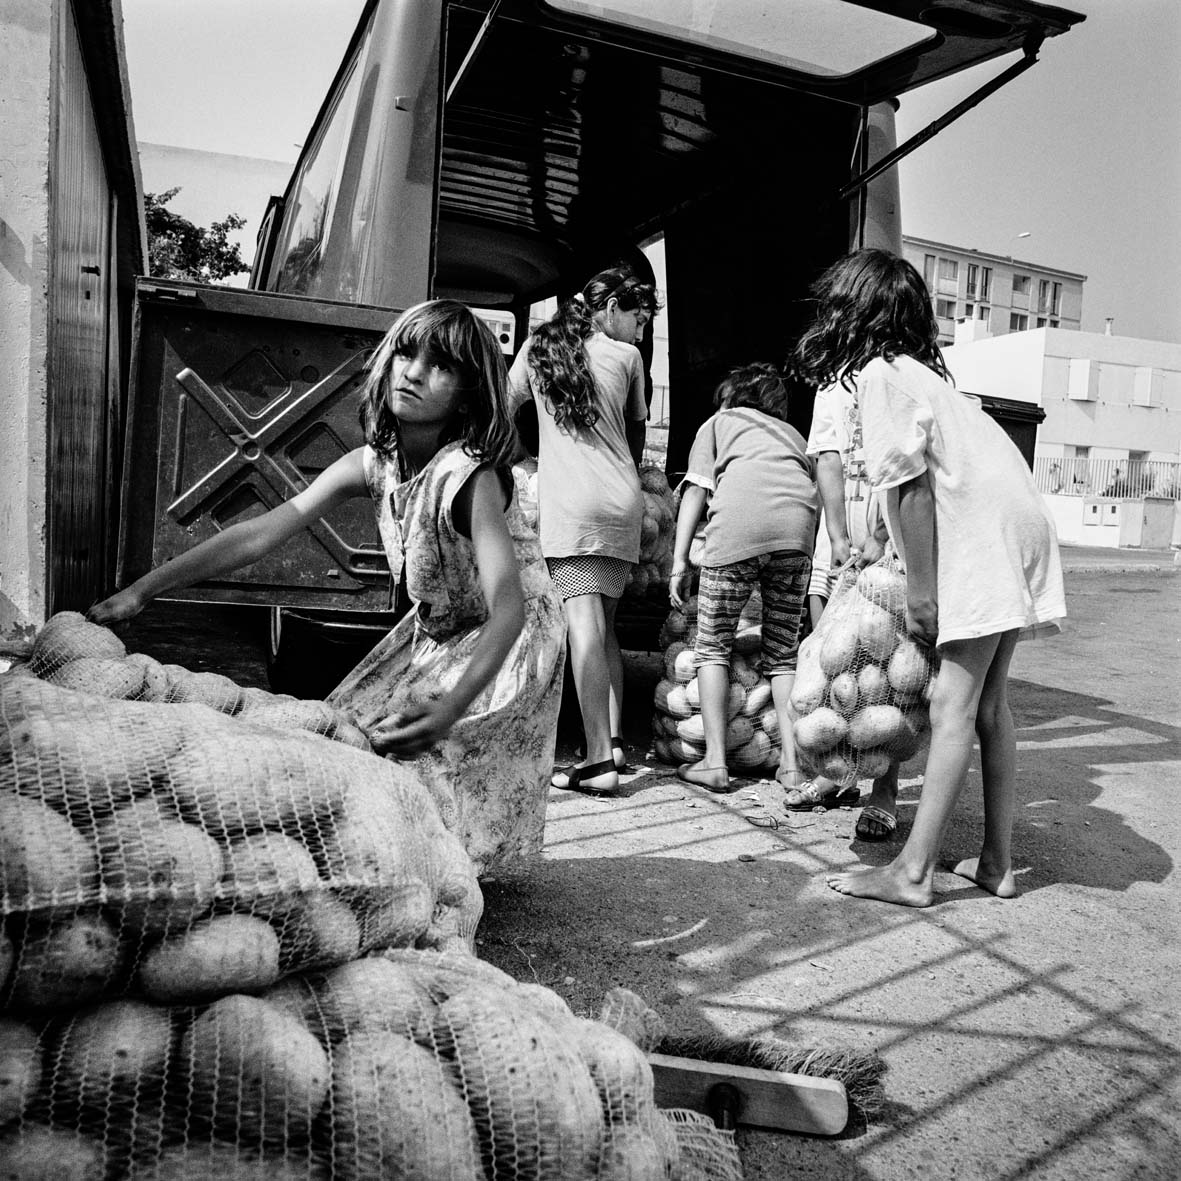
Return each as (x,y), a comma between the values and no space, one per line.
(79,390)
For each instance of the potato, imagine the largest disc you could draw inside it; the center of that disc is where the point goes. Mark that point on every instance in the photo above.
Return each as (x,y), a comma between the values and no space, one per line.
(112,1050)
(877,633)
(653,480)
(267,875)
(34,1152)
(638,1154)
(68,961)
(666,689)
(320,932)
(534,1102)
(735,700)
(670,659)
(232,779)
(838,650)
(749,639)
(394,1105)
(692,729)
(844,693)
(447,973)
(743,673)
(211,689)
(837,767)
(629,1014)
(44,861)
(873,687)
(757,699)
(67,636)
(686,752)
(621,1072)
(909,668)
(373,844)
(873,763)
(768,723)
(103,677)
(808,691)
(821,730)
(253,1071)
(351,734)
(912,734)
(373,994)
(80,754)
(756,753)
(159,874)
(684,665)
(875,725)
(884,587)
(226,1162)
(660,749)
(155,677)
(545,1002)
(230,953)
(315,716)
(739,731)
(20,1068)
(392,916)
(676,623)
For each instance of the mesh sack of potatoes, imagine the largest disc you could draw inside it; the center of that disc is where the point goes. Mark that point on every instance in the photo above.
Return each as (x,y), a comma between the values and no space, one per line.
(74,653)
(412,1064)
(861,692)
(648,579)
(752,729)
(170,853)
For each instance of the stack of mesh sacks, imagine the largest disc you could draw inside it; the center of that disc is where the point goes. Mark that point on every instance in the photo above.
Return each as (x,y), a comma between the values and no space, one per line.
(752,728)
(233,950)
(649,578)
(861,692)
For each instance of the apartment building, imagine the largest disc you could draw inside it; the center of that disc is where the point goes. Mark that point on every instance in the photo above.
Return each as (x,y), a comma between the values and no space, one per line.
(993,294)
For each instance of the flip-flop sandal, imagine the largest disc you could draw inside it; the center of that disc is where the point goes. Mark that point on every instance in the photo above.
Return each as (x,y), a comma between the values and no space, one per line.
(872,813)
(808,798)
(715,779)
(574,778)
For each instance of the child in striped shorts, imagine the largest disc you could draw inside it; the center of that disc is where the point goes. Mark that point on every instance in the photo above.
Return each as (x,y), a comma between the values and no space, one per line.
(753,470)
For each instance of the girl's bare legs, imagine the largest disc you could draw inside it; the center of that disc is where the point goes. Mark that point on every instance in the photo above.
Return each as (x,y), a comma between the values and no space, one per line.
(788,772)
(993,869)
(586,633)
(713,683)
(908,879)
(614,670)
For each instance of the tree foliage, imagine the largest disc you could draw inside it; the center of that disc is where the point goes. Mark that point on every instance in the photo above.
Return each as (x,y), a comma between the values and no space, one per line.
(178,249)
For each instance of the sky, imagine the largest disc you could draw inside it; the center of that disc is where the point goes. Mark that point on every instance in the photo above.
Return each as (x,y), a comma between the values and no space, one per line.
(1082,153)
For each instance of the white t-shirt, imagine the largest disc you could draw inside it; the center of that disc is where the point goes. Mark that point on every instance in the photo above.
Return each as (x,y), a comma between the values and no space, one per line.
(997,563)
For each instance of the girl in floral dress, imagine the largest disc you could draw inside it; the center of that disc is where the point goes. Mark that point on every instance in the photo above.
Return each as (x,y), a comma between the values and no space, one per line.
(467,685)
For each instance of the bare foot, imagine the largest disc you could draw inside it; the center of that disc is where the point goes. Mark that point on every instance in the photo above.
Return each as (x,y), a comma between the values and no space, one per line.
(715,779)
(1001,884)
(886,883)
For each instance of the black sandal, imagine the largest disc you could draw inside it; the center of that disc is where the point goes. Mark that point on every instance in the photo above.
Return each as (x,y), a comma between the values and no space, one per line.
(574,777)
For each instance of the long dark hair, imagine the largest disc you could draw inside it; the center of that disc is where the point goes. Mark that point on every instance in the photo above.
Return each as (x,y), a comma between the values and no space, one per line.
(449,334)
(556,353)
(758,385)
(869,304)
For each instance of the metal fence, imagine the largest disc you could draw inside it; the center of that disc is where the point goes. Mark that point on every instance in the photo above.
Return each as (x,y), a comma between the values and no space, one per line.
(1123,478)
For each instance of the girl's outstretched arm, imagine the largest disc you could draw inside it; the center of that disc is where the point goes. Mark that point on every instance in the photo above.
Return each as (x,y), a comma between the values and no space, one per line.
(240,544)
(692,505)
(830,481)
(916,511)
(478,512)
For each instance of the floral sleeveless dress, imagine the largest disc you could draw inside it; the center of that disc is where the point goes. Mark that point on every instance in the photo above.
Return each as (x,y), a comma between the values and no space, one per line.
(490,776)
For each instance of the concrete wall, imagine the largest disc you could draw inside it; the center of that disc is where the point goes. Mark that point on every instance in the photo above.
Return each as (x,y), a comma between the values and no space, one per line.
(26,60)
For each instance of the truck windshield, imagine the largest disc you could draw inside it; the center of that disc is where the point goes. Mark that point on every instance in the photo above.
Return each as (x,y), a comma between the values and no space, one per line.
(826,38)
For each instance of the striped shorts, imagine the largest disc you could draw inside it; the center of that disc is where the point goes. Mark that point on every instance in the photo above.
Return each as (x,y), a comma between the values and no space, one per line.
(723,592)
(591,574)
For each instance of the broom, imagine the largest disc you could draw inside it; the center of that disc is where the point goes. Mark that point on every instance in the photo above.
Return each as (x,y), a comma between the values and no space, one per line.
(760,1080)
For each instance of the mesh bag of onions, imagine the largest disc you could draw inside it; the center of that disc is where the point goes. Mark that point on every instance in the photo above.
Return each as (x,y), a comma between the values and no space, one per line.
(862,687)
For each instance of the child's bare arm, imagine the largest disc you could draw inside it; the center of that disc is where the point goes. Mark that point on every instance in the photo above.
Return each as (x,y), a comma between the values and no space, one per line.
(479,513)
(240,544)
(916,511)
(693,500)
(830,481)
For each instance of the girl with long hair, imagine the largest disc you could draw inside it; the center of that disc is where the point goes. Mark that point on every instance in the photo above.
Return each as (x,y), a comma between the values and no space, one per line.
(977,542)
(468,684)
(586,378)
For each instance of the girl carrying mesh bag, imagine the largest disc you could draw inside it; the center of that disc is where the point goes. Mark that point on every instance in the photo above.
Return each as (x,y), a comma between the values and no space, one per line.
(977,542)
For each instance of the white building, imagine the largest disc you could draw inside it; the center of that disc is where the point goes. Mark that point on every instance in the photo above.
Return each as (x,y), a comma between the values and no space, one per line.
(993,294)
(1108,452)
